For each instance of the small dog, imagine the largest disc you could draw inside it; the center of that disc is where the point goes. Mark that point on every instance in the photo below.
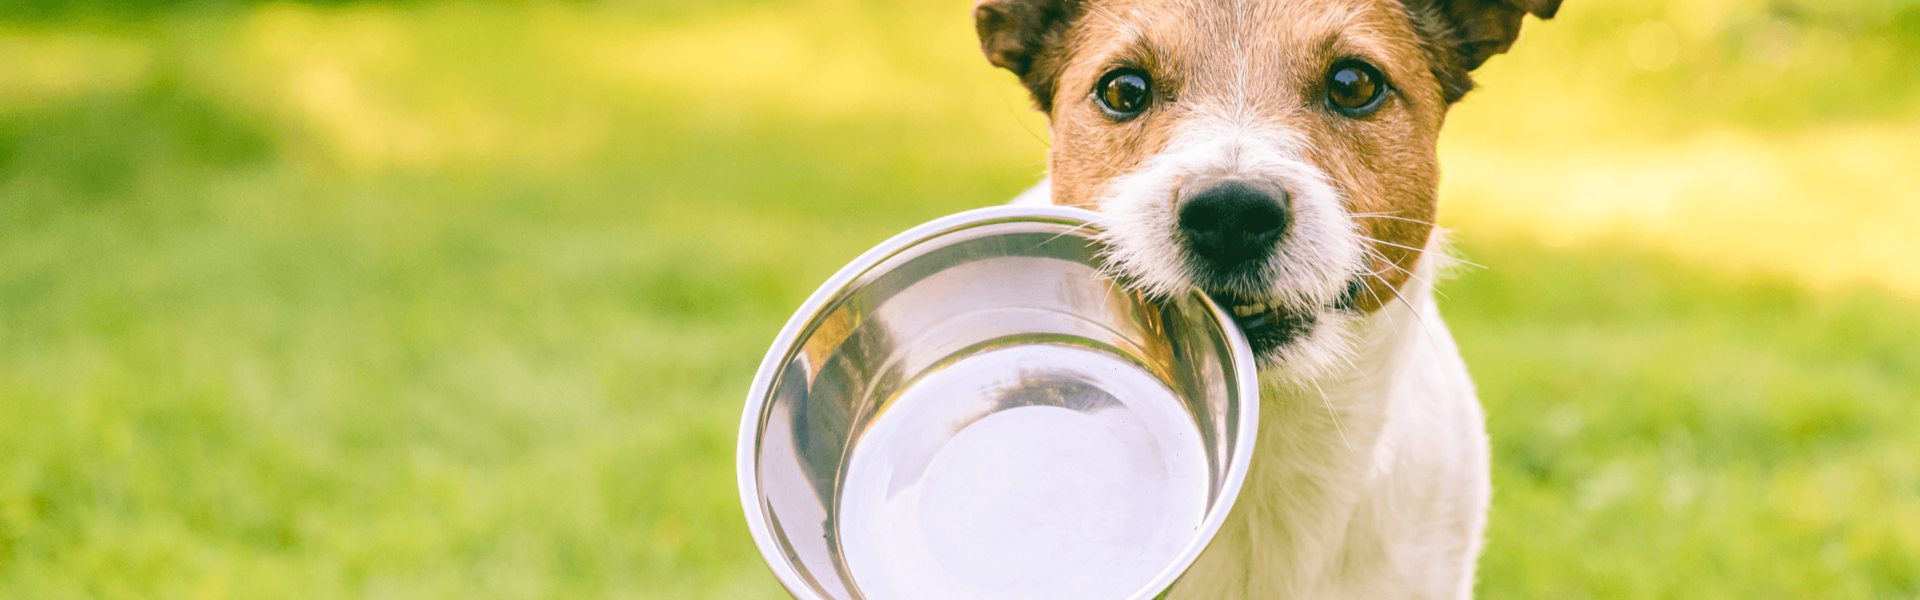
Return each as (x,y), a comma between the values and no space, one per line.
(1280,155)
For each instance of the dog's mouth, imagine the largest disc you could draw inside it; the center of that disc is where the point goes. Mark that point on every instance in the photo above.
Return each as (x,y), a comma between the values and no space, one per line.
(1269,325)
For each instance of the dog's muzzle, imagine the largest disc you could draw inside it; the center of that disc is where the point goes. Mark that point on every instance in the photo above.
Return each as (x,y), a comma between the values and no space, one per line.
(1231,229)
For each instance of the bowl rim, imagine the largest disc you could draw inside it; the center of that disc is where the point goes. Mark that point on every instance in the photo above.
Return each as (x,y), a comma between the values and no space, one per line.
(746,458)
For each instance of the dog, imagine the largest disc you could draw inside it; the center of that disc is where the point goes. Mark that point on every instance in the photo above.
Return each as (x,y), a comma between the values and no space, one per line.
(1280,155)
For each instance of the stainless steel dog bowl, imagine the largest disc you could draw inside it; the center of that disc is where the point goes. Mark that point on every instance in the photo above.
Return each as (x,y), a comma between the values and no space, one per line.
(974,410)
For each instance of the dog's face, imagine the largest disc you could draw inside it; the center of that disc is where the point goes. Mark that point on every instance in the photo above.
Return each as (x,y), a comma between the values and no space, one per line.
(1278,154)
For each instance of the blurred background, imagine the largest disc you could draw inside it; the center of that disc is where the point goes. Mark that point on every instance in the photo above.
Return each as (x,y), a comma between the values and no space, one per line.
(450,299)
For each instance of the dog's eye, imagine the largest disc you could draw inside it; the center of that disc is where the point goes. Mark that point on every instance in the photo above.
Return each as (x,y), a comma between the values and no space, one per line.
(1124,93)
(1354,88)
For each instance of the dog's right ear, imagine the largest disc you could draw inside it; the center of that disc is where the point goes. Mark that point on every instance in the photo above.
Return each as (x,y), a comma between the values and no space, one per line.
(1462,34)
(1023,36)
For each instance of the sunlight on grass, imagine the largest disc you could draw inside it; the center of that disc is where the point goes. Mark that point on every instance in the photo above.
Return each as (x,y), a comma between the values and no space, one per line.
(37,68)
(396,299)
(385,88)
(1833,207)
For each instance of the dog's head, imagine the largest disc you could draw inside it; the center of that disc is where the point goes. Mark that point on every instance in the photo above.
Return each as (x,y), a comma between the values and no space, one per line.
(1279,154)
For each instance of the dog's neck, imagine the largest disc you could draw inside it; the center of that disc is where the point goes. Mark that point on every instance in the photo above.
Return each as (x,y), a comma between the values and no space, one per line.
(1337,413)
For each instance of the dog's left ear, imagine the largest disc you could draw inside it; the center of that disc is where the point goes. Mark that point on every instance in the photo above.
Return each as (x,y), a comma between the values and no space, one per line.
(1022,35)
(1462,34)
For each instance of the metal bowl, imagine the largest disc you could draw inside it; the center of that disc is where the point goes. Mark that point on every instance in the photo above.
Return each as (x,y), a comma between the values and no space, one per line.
(974,409)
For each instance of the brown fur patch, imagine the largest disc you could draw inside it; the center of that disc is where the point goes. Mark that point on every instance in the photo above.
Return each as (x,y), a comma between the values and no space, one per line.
(1265,61)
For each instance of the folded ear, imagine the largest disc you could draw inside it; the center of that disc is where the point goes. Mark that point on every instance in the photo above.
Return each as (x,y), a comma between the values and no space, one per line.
(1489,27)
(1023,36)
(1463,34)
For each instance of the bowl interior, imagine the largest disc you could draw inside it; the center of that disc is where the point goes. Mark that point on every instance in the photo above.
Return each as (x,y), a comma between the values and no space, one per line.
(975,410)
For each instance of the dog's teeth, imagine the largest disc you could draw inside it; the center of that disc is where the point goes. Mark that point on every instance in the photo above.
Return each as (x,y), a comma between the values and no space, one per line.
(1248,310)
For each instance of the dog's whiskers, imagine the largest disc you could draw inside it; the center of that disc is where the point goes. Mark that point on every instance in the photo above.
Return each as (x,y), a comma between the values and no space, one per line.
(1062,234)
(1023,124)
(1383,303)
(1416,276)
(1116,170)
(1328,402)
(1433,343)
(1455,258)
(1390,216)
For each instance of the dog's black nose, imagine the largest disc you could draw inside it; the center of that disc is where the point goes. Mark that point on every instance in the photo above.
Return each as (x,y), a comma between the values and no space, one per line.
(1230,223)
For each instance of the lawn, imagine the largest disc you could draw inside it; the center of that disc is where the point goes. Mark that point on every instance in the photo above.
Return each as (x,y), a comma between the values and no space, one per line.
(461,299)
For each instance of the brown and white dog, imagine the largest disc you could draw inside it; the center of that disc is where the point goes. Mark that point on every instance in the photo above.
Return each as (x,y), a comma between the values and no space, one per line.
(1280,155)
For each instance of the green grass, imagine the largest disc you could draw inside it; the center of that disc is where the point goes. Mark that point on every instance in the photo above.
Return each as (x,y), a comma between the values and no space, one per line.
(1663,432)
(448,301)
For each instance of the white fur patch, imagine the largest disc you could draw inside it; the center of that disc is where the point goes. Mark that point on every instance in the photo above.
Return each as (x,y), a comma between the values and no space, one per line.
(1320,253)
